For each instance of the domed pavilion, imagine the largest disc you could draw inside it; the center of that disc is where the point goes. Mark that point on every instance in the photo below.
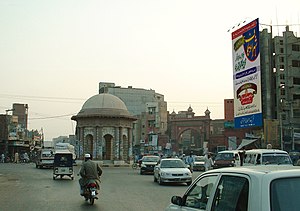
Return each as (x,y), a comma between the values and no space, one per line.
(104,129)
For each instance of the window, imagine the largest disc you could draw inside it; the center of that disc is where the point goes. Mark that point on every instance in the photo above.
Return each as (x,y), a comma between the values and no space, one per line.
(151,123)
(281,50)
(296,97)
(199,195)
(295,47)
(281,59)
(296,81)
(284,194)
(295,63)
(151,110)
(231,194)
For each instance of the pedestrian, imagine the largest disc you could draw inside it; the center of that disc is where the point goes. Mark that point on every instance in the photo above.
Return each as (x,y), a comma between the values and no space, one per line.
(17,157)
(208,162)
(190,161)
(2,158)
(26,157)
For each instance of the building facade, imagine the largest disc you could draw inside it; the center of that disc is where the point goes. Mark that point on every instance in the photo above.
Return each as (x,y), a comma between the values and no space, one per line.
(14,134)
(280,63)
(150,109)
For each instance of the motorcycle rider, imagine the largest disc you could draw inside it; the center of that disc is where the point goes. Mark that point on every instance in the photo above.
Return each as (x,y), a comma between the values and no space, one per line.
(90,170)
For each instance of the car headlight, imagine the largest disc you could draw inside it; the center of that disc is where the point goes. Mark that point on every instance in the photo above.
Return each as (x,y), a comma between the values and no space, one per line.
(143,165)
(164,174)
(188,174)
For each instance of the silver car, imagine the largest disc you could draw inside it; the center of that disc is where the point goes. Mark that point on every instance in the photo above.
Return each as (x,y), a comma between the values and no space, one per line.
(172,170)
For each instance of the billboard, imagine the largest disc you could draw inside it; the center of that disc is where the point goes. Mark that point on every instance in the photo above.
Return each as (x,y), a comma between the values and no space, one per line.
(247,76)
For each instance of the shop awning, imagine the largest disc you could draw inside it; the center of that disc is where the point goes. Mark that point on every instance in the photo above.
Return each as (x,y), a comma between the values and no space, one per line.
(246,142)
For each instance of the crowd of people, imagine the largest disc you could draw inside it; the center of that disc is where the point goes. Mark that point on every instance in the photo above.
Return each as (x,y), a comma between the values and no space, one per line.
(16,158)
(190,160)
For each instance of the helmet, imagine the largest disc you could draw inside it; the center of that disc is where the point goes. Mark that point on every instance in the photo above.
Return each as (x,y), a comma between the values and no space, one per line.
(87,155)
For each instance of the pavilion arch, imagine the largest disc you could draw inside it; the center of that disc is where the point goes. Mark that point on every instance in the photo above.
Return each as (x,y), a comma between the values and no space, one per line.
(89,144)
(125,147)
(108,147)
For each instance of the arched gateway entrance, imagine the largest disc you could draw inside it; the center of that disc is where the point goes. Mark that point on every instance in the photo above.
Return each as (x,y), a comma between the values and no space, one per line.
(104,128)
(189,132)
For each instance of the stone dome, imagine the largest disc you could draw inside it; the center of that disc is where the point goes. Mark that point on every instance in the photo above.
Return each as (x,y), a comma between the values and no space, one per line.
(104,105)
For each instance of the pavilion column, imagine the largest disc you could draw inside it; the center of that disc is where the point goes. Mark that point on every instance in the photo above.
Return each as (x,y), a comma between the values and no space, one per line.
(100,143)
(116,144)
(121,143)
(130,144)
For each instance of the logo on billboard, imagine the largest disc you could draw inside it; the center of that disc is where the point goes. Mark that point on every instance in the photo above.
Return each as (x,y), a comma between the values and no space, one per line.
(251,47)
(246,93)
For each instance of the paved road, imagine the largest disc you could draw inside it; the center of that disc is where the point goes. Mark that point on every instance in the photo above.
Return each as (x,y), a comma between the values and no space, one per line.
(23,187)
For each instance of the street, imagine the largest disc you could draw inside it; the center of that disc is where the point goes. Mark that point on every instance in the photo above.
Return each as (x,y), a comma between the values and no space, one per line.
(23,187)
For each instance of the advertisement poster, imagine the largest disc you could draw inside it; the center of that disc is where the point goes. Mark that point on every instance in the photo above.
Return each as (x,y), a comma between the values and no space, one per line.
(246,76)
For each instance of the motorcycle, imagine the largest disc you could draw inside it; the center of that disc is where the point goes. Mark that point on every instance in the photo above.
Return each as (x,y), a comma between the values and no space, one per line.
(90,192)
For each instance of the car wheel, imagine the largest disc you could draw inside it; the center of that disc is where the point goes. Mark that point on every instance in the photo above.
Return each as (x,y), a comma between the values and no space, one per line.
(159,180)
(141,172)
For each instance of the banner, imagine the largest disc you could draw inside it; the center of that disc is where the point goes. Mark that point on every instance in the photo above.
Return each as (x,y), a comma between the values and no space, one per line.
(246,76)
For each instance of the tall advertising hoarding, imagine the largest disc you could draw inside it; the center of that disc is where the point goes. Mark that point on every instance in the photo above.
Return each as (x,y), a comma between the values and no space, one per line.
(246,76)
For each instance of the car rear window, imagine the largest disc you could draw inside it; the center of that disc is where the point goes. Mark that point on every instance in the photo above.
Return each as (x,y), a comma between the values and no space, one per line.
(284,194)
(224,156)
(150,159)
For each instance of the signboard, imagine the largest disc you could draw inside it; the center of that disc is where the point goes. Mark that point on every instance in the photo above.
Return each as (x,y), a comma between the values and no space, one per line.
(246,76)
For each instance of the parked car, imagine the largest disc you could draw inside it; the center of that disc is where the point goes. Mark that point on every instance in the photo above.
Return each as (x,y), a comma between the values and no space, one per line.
(147,164)
(267,157)
(227,158)
(199,163)
(252,188)
(172,170)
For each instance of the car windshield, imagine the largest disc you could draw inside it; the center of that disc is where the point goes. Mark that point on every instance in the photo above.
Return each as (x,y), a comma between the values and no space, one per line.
(150,159)
(284,194)
(224,156)
(276,159)
(172,164)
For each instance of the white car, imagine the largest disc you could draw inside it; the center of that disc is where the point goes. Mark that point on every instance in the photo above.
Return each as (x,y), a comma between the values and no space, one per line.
(253,188)
(172,170)
(199,164)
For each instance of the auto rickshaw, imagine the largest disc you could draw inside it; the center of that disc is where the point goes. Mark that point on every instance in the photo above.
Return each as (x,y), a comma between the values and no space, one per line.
(63,165)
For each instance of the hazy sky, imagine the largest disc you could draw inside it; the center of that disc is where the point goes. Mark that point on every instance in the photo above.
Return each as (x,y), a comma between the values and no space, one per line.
(54,53)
